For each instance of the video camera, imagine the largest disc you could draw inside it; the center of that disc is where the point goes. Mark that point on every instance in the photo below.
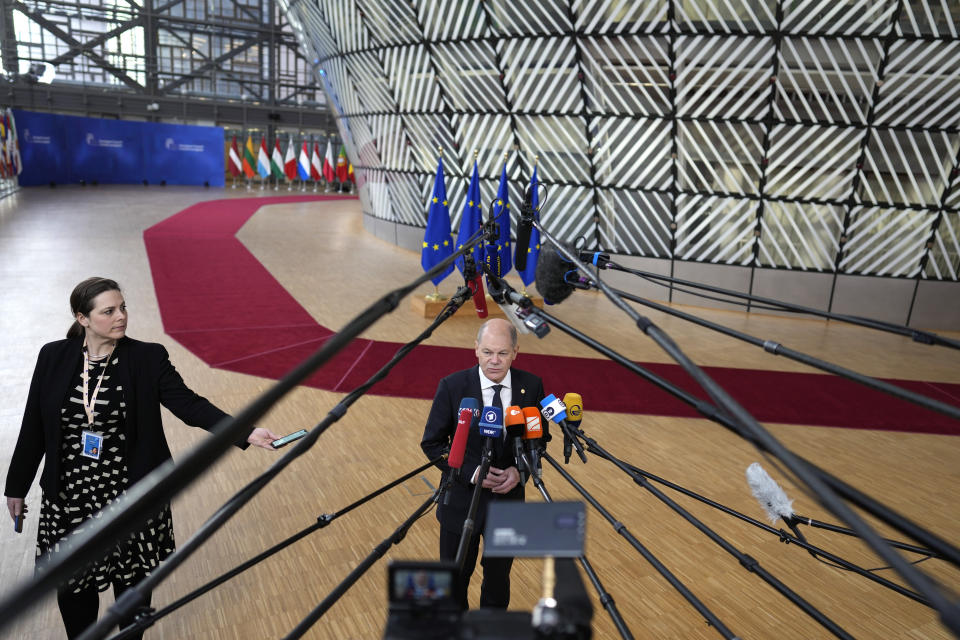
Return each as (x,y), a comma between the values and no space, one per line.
(422,605)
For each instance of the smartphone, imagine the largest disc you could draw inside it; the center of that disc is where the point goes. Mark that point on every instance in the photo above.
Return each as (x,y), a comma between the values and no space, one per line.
(285,440)
(18,523)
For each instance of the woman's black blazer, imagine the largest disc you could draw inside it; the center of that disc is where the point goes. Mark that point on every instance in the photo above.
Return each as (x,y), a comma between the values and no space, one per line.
(148,380)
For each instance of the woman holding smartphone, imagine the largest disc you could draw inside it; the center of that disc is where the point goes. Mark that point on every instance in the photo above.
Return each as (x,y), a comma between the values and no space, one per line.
(93,410)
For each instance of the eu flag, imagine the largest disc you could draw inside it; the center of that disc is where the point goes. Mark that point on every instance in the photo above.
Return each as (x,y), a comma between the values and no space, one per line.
(437,244)
(528,275)
(471,221)
(498,257)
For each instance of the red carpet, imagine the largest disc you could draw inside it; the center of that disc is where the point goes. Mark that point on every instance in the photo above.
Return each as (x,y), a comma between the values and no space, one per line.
(211,291)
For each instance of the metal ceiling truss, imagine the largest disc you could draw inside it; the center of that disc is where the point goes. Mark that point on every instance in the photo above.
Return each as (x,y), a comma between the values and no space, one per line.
(810,135)
(220,49)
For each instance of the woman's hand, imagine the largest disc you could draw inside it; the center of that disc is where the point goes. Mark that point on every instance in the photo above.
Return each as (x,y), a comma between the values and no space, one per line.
(260,438)
(16,506)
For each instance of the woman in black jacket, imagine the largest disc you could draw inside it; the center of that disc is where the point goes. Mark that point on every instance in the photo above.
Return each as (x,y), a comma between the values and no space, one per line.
(93,410)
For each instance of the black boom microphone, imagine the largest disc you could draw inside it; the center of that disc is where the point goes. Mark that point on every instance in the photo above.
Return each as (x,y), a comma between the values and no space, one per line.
(556,276)
(524,230)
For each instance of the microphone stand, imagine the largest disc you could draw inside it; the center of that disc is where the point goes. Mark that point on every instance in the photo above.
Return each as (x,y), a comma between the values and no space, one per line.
(379,551)
(469,523)
(746,561)
(778,349)
(917,335)
(570,438)
(788,538)
(747,427)
(797,519)
(945,550)
(605,598)
(620,528)
(132,597)
(150,616)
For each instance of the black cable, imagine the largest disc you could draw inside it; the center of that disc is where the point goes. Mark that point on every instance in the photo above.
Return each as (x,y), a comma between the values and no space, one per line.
(136,594)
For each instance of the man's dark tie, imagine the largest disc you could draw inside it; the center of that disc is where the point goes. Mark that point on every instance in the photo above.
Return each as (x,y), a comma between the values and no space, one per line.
(496,395)
(497,402)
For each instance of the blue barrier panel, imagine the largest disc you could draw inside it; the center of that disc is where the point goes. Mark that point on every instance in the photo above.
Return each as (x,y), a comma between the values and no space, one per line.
(66,149)
(184,154)
(41,148)
(107,151)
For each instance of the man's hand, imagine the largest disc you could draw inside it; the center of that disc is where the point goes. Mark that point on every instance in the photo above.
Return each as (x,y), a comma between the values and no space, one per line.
(501,480)
(262,438)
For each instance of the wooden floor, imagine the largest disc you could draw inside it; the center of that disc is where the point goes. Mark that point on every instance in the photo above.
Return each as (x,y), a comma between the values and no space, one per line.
(51,239)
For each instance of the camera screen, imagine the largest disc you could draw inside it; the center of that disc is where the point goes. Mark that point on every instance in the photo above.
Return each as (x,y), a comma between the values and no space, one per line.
(421,585)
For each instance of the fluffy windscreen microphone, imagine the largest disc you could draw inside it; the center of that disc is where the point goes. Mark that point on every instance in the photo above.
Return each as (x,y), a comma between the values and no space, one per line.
(769,494)
(552,268)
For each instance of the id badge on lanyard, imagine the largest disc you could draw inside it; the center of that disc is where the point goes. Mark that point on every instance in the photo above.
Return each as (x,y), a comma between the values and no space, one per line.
(91,441)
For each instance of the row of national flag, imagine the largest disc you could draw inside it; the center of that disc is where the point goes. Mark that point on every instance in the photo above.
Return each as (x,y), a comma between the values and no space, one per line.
(301,163)
(10,163)
(437,239)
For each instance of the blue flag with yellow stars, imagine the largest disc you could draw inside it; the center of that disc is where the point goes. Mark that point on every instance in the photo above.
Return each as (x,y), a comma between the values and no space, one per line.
(498,258)
(528,275)
(437,243)
(471,221)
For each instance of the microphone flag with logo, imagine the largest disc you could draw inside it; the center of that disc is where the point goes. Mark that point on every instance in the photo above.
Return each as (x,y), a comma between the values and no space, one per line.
(574,404)
(532,248)
(498,256)
(553,408)
(471,220)
(437,244)
(491,422)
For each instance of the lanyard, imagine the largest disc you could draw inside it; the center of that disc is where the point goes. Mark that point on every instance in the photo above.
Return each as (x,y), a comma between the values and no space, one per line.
(89,404)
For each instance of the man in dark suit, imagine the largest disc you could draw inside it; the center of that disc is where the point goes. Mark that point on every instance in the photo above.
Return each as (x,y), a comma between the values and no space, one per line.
(493,383)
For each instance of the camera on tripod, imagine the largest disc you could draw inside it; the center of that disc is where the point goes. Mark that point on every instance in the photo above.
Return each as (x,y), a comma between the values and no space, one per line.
(422,605)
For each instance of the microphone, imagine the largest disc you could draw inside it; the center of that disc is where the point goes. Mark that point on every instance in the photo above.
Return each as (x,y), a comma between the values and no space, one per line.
(524,229)
(768,493)
(491,424)
(574,409)
(514,422)
(574,404)
(532,433)
(464,422)
(554,410)
(479,298)
(556,277)
(475,283)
